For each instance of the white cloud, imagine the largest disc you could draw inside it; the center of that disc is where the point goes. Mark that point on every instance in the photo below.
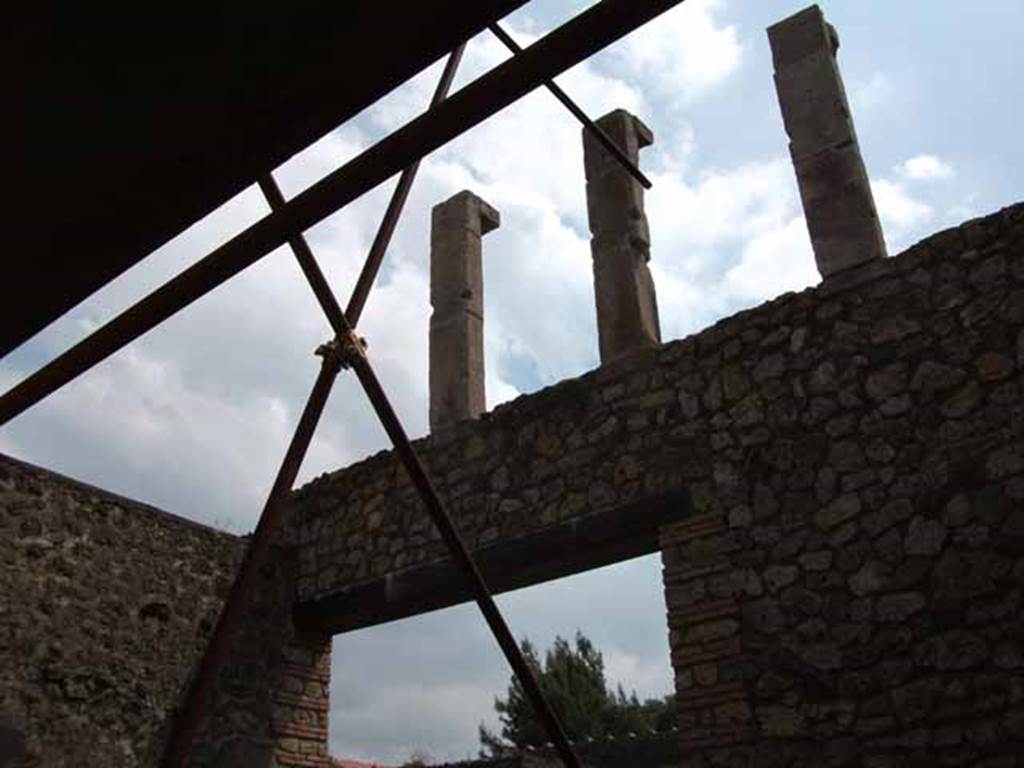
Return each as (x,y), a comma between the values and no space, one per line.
(777,260)
(687,51)
(729,239)
(924,167)
(897,208)
(869,95)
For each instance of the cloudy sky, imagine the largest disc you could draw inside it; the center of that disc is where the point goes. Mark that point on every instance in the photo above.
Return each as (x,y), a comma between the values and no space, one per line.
(195,416)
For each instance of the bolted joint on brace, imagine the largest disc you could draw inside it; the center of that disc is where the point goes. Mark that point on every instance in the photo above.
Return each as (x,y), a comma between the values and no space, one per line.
(342,351)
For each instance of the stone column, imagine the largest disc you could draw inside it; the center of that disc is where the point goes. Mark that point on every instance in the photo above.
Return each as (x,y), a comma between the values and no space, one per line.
(834,187)
(620,243)
(456,295)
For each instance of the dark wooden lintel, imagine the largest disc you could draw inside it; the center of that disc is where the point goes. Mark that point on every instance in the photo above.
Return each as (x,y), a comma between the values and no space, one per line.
(564,549)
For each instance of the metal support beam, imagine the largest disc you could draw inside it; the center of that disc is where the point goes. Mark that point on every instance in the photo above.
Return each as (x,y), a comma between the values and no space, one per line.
(196,699)
(579,114)
(463,560)
(566,46)
(348,351)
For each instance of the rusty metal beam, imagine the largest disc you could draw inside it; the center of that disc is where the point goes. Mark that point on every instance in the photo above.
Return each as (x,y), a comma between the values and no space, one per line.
(196,700)
(605,140)
(347,351)
(462,559)
(566,46)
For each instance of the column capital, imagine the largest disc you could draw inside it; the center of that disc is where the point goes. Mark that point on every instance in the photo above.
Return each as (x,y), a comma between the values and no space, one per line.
(627,131)
(468,209)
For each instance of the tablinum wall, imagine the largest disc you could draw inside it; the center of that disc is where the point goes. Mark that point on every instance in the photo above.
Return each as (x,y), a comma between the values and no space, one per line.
(849,582)
(846,589)
(107,605)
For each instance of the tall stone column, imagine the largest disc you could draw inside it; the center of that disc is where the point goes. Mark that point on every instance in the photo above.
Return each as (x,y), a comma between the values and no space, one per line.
(456,295)
(838,204)
(620,243)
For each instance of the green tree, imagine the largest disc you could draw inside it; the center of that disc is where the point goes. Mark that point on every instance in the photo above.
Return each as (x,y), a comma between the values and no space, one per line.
(572,678)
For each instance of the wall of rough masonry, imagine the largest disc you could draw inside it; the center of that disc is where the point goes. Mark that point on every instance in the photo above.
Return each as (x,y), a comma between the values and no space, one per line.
(851,591)
(106,606)
(848,592)
(850,587)
(771,388)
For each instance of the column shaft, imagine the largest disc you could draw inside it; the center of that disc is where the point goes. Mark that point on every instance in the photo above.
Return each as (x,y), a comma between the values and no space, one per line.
(834,186)
(456,295)
(627,308)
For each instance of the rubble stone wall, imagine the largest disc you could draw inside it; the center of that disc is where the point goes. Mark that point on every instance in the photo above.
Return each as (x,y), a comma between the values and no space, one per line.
(764,410)
(847,592)
(105,607)
(850,587)
(850,591)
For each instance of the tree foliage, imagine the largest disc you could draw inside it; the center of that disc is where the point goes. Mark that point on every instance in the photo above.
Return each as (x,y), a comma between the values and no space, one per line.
(572,678)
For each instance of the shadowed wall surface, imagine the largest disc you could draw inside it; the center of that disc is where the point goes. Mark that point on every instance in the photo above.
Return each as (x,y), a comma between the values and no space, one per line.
(107,603)
(766,393)
(850,591)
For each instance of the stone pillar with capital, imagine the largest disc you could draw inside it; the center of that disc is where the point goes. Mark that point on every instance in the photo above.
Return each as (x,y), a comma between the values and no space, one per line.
(620,243)
(457,227)
(834,187)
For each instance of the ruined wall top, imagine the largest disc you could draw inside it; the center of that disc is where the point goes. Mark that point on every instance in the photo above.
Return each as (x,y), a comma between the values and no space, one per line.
(775,382)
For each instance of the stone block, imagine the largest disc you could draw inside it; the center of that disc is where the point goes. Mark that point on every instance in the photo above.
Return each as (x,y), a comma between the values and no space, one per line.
(627,308)
(838,204)
(456,295)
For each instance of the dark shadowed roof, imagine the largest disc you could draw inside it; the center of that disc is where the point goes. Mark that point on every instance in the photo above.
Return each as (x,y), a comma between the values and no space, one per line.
(128,122)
